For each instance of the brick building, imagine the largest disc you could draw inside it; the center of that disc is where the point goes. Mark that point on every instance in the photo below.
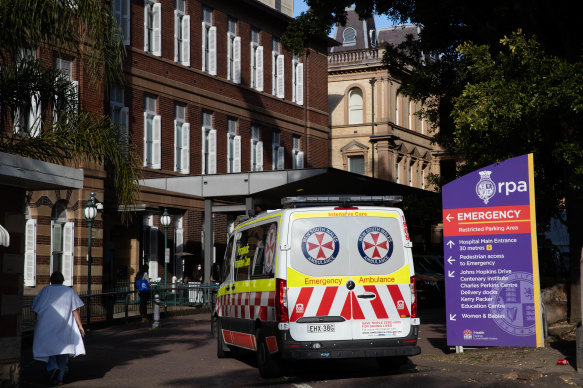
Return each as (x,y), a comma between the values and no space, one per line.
(209,90)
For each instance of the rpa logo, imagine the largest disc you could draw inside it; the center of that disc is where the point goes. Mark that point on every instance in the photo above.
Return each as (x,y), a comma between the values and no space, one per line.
(486,188)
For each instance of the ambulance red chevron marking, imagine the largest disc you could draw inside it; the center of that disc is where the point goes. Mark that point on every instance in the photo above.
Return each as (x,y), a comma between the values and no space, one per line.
(388,302)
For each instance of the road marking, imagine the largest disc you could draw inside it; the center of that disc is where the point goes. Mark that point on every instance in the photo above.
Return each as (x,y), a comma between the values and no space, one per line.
(302,385)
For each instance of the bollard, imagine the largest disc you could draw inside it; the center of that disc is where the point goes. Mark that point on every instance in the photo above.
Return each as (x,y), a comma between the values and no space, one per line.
(156,322)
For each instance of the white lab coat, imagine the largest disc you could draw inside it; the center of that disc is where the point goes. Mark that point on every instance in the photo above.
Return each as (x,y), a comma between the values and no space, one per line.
(56,331)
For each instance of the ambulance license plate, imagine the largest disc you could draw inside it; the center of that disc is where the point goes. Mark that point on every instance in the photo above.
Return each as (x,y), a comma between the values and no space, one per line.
(321,328)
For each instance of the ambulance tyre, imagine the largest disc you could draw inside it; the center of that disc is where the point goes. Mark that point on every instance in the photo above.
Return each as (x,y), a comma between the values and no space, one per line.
(268,364)
(222,349)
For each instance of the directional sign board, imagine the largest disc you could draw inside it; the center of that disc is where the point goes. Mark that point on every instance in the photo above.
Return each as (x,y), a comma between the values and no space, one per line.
(492,283)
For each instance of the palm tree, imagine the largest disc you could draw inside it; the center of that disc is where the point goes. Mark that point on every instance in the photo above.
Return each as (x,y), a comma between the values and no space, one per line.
(39,113)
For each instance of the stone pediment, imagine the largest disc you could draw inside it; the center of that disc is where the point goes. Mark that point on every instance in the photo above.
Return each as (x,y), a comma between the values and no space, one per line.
(354,146)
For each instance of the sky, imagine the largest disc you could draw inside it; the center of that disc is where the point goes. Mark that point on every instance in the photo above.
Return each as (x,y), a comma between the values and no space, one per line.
(380,21)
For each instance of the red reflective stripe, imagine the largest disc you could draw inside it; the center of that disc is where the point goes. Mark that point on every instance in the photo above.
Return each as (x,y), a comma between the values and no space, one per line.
(262,313)
(303,300)
(397,296)
(327,299)
(347,309)
(271,344)
(376,303)
(258,298)
(271,299)
(243,340)
(356,311)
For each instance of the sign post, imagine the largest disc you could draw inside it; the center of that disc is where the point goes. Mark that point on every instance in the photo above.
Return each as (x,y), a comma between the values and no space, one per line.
(492,282)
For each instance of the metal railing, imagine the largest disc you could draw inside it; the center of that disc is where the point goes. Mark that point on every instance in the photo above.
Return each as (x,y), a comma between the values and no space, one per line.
(353,56)
(107,307)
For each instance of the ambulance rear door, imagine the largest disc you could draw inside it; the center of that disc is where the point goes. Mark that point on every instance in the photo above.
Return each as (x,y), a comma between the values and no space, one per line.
(348,276)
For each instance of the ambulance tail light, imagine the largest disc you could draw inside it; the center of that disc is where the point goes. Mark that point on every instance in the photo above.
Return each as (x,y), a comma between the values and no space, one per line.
(281,313)
(413,297)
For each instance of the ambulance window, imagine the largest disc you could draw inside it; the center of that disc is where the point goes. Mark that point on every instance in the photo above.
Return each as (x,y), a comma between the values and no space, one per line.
(228,260)
(264,253)
(242,256)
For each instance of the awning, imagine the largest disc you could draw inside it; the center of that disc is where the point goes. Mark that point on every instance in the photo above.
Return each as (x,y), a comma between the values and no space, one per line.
(4,237)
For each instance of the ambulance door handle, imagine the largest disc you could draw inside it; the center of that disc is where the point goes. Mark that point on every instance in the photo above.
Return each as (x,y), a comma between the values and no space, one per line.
(371,295)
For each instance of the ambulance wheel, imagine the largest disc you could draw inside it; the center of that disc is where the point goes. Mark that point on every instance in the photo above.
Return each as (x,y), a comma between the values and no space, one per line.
(268,364)
(223,350)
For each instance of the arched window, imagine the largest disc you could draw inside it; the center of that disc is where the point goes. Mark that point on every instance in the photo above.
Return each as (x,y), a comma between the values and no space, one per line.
(355,106)
(349,37)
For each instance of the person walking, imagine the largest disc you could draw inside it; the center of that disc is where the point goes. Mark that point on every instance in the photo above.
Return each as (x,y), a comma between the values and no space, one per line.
(58,332)
(143,287)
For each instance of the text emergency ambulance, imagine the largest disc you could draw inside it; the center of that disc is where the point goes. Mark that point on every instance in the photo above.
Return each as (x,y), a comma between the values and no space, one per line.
(318,282)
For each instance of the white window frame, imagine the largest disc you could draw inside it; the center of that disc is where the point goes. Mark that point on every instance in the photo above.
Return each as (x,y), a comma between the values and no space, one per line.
(397,117)
(152,144)
(28,120)
(181,33)
(355,111)
(297,81)
(256,61)
(233,52)
(256,149)
(297,154)
(277,68)
(65,65)
(121,11)
(410,116)
(233,146)
(278,152)
(411,170)
(209,145)
(153,27)
(209,42)
(181,140)
(30,253)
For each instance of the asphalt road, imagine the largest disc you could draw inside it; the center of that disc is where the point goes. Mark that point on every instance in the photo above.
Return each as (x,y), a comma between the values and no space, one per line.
(182,353)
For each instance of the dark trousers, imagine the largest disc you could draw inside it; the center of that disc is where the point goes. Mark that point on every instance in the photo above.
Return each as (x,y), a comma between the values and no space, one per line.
(144,299)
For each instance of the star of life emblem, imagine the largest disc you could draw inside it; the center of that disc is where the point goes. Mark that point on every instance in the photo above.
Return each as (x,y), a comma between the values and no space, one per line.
(375,245)
(270,243)
(320,245)
(486,188)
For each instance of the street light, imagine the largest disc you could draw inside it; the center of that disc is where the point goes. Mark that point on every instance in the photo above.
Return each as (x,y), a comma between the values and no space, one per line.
(165,220)
(90,213)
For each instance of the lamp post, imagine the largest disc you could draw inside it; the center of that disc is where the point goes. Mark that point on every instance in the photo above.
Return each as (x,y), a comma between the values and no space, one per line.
(372,81)
(90,212)
(165,220)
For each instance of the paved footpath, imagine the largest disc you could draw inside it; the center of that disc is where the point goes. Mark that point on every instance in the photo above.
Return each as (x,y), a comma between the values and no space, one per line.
(182,353)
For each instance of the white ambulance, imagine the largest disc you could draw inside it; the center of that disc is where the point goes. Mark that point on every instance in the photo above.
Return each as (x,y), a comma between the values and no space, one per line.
(325,277)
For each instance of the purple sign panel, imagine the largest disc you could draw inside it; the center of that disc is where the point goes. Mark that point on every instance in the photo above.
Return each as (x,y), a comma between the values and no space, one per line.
(491,265)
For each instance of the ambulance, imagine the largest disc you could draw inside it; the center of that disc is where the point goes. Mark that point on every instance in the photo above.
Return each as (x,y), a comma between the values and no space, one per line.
(322,278)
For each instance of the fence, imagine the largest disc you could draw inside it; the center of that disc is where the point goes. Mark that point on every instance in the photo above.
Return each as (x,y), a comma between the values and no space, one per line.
(109,306)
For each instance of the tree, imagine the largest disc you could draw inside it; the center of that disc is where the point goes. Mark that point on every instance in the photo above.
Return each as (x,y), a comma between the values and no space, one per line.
(433,71)
(522,100)
(61,132)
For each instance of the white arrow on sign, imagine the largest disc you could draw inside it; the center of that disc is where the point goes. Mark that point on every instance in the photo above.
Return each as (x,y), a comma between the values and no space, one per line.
(450,260)
(450,243)
(452,317)
(450,273)
(448,217)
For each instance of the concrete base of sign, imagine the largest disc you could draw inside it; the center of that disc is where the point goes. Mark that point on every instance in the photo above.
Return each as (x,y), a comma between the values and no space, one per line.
(459,349)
